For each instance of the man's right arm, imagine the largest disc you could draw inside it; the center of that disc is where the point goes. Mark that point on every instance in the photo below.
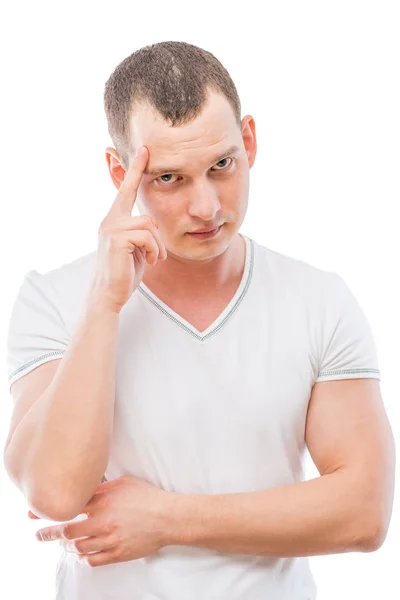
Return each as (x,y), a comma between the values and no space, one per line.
(58,451)
(59,443)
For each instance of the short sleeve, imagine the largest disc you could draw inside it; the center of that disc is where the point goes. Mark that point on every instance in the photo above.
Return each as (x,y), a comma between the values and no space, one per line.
(36,330)
(348,345)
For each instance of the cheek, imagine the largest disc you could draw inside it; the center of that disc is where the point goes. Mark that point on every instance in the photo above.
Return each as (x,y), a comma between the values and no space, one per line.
(242,178)
(164,210)
(235,191)
(147,205)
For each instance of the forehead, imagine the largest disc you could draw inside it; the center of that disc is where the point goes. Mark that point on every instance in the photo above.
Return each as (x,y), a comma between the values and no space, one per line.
(214,131)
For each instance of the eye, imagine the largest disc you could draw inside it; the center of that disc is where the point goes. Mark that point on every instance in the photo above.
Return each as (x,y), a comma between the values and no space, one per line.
(161,181)
(161,178)
(221,161)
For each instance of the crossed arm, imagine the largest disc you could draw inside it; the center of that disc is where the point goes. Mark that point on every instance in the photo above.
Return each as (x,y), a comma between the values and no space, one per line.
(348,508)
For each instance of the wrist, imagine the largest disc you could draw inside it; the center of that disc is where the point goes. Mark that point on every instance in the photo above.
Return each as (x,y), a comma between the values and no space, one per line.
(97,302)
(181,516)
(174,519)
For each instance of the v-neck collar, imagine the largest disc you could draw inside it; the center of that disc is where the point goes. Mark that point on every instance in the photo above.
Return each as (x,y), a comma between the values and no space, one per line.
(226,314)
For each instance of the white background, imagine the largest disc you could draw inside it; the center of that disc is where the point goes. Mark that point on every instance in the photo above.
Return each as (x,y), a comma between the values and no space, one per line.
(321,80)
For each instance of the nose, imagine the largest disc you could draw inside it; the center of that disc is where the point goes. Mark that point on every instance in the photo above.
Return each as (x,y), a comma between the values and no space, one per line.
(203,201)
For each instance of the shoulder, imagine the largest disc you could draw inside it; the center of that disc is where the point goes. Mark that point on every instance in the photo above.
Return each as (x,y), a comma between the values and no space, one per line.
(295,274)
(73,274)
(65,286)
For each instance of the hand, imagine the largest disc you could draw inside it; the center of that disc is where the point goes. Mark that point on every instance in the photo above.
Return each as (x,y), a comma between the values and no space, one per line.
(127,519)
(125,243)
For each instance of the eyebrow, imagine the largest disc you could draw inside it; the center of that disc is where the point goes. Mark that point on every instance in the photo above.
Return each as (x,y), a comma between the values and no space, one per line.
(166,170)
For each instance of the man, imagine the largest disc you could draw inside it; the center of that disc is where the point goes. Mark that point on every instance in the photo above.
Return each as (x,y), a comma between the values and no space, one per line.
(193,369)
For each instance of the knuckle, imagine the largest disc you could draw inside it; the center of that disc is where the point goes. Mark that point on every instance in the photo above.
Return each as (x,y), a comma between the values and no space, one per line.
(121,222)
(78,546)
(109,225)
(89,560)
(66,532)
(108,529)
(147,219)
(113,541)
(103,225)
(117,554)
(103,233)
(109,526)
(113,238)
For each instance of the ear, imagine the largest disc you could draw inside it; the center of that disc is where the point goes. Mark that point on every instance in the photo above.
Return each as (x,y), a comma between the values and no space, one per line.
(115,166)
(31,515)
(249,138)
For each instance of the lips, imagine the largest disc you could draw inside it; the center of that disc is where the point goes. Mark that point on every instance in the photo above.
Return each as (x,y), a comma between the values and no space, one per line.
(205,230)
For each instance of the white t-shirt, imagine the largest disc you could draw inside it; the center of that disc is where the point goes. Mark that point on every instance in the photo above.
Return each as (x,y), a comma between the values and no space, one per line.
(213,412)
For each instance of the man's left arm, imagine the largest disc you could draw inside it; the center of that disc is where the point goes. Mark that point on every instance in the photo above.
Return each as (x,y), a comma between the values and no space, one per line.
(347,509)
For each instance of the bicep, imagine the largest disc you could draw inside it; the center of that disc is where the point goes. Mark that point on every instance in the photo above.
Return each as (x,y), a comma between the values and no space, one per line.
(347,428)
(26,390)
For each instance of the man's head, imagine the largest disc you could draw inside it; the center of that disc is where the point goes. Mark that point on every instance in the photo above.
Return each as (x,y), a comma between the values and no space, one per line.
(181,103)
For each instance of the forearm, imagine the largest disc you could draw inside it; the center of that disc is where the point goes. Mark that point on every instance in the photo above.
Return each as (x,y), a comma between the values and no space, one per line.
(60,449)
(314,517)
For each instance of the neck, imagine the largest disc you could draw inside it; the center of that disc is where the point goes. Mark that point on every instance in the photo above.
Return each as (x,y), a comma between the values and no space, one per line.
(198,277)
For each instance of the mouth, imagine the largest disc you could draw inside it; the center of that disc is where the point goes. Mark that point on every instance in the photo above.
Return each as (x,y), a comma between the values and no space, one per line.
(205,234)
(204,230)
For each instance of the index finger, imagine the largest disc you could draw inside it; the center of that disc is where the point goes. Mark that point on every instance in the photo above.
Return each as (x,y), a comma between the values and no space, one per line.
(127,193)
(69,531)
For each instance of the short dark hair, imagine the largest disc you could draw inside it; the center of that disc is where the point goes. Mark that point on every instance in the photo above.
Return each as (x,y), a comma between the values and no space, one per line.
(172,77)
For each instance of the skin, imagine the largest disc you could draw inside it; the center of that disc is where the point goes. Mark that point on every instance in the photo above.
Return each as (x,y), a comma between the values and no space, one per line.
(348,507)
(203,194)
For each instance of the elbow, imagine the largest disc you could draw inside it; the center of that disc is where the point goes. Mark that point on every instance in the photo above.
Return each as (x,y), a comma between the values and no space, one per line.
(374,536)
(56,505)
(376,524)
(61,506)
(62,501)
(42,506)
(41,503)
